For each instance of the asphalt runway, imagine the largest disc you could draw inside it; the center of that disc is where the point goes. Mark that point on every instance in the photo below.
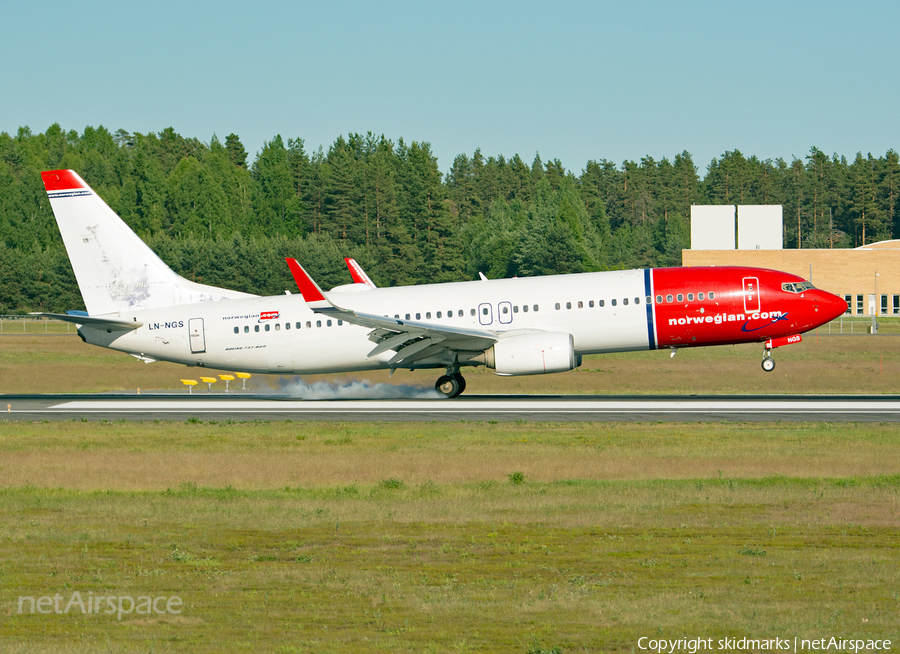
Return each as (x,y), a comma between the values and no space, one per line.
(533,408)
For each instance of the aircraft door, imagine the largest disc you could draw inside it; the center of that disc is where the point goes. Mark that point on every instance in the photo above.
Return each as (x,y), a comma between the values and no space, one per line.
(198,338)
(504,312)
(751,294)
(485,314)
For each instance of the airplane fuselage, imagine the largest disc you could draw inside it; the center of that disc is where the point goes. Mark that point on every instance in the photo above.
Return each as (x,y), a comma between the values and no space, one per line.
(604,312)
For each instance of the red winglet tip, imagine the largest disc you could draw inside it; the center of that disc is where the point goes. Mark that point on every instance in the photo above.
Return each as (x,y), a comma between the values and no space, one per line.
(305,284)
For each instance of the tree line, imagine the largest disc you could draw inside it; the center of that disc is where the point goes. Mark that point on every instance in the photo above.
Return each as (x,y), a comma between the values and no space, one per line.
(218,218)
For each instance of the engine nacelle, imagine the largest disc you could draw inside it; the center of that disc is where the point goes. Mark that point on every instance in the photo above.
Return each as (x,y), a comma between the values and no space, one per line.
(532,353)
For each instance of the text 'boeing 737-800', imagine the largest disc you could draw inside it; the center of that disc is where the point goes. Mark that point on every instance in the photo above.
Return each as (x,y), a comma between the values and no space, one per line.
(524,326)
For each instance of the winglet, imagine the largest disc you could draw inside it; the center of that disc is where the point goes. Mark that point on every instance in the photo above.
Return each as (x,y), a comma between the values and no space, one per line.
(357,273)
(308,288)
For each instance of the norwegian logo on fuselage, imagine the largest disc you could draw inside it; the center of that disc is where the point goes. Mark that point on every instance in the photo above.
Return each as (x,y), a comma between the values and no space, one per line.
(771,317)
(268,315)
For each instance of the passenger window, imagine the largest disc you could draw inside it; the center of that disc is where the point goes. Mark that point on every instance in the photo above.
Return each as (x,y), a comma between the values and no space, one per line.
(318,323)
(428,315)
(516,309)
(246,328)
(328,323)
(712,296)
(690,297)
(484,311)
(256,328)
(340,322)
(602,303)
(700,296)
(268,327)
(535,307)
(557,306)
(590,304)
(637,300)
(438,314)
(649,300)
(407,316)
(680,297)
(308,324)
(418,316)
(568,305)
(580,304)
(505,309)
(277,326)
(659,299)
(625,301)
(613,302)
(236,330)
(525,308)
(669,298)
(461,313)
(297,325)
(287,325)
(472,312)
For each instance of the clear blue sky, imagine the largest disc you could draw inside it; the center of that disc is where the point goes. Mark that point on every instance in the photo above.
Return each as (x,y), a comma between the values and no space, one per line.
(573,81)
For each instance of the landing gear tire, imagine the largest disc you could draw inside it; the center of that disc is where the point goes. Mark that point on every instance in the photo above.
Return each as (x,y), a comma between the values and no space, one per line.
(768,364)
(449,385)
(462,383)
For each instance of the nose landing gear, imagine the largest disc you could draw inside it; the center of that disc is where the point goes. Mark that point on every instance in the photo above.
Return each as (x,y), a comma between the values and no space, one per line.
(451,384)
(768,363)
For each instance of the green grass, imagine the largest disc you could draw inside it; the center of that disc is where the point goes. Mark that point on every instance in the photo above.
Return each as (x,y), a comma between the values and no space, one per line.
(455,537)
(471,537)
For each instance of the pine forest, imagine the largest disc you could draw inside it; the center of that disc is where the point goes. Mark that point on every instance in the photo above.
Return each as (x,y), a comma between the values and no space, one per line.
(218,218)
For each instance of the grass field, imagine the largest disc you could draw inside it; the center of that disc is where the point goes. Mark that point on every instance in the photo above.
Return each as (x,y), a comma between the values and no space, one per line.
(453,537)
(290,537)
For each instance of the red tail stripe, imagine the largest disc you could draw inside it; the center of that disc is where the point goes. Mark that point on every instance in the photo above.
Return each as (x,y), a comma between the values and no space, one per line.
(61,180)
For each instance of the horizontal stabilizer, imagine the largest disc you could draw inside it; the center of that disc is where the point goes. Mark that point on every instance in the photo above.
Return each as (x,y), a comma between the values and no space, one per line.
(113,323)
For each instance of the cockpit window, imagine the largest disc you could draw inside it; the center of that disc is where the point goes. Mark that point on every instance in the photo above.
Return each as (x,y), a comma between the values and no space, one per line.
(797,287)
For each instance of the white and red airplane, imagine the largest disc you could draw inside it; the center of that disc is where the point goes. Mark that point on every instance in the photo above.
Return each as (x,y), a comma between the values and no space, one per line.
(524,326)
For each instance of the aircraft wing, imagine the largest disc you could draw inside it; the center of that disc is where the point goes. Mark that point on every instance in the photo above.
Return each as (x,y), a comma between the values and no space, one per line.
(78,319)
(411,340)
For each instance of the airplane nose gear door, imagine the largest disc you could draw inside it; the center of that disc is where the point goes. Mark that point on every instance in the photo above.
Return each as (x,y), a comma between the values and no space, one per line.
(751,294)
(198,338)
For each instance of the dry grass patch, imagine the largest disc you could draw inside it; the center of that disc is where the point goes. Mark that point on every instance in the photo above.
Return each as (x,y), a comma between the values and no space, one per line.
(156,456)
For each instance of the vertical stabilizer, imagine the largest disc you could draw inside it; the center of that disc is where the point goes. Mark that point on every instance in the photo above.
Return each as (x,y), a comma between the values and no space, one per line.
(115,269)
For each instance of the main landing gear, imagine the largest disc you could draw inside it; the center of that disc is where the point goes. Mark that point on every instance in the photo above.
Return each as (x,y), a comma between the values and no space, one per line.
(451,384)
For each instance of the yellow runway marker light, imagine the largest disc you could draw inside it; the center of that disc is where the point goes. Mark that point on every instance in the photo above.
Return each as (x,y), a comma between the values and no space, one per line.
(243,376)
(209,381)
(226,379)
(190,383)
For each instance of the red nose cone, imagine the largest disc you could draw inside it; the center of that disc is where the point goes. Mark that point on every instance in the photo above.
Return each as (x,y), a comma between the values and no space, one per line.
(832,307)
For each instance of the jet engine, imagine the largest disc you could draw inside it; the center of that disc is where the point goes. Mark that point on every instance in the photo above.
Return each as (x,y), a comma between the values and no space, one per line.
(532,353)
